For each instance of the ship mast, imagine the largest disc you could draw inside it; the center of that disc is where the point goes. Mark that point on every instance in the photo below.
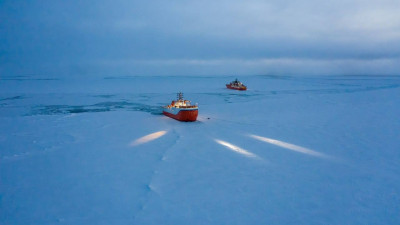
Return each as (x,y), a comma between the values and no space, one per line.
(179,96)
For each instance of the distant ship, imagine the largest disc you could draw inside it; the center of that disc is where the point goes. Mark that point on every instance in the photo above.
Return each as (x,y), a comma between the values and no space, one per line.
(236,85)
(181,110)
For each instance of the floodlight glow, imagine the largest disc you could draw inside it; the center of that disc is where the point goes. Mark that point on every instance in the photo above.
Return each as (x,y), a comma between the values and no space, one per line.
(236,148)
(289,146)
(148,138)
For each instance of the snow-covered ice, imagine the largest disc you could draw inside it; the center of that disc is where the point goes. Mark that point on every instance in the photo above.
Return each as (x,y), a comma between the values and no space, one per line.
(290,150)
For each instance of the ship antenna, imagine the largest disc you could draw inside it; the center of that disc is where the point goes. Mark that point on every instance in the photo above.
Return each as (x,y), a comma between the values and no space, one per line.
(180,96)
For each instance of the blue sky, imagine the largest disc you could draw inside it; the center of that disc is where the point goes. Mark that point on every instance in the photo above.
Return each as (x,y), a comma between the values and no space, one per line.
(122,37)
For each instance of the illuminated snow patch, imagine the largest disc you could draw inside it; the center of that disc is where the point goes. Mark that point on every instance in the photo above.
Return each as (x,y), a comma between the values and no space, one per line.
(289,146)
(236,148)
(148,138)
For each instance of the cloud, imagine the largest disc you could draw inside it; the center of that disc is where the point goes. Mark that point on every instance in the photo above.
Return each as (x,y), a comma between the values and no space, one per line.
(299,19)
(269,66)
(253,36)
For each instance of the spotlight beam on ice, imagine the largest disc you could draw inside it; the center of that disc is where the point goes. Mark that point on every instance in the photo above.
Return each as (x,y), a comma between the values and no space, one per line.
(148,138)
(289,146)
(236,148)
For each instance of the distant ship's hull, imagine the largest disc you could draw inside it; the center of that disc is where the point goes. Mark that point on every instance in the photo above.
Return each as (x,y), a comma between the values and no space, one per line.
(243,88)
(186,115)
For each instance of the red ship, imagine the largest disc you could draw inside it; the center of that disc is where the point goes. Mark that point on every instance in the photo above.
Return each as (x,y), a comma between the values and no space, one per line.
(181,110)
(236,85)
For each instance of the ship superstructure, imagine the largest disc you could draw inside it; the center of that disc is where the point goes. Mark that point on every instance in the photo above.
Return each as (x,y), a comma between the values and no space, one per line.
(236,85)
(181,109)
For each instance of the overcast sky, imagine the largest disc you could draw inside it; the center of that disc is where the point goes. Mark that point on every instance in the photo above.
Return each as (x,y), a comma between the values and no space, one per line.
(209,37)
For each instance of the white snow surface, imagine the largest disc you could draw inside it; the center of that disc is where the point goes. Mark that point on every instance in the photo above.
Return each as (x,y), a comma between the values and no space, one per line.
(290,150)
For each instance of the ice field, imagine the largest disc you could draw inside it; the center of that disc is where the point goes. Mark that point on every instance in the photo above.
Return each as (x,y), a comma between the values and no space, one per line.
(290,150)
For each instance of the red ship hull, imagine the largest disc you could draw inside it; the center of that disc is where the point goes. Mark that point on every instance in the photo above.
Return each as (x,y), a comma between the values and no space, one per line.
(184,115)
(236,88)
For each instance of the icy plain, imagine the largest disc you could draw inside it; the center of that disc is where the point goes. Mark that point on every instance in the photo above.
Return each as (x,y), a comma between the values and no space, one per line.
(290,150)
